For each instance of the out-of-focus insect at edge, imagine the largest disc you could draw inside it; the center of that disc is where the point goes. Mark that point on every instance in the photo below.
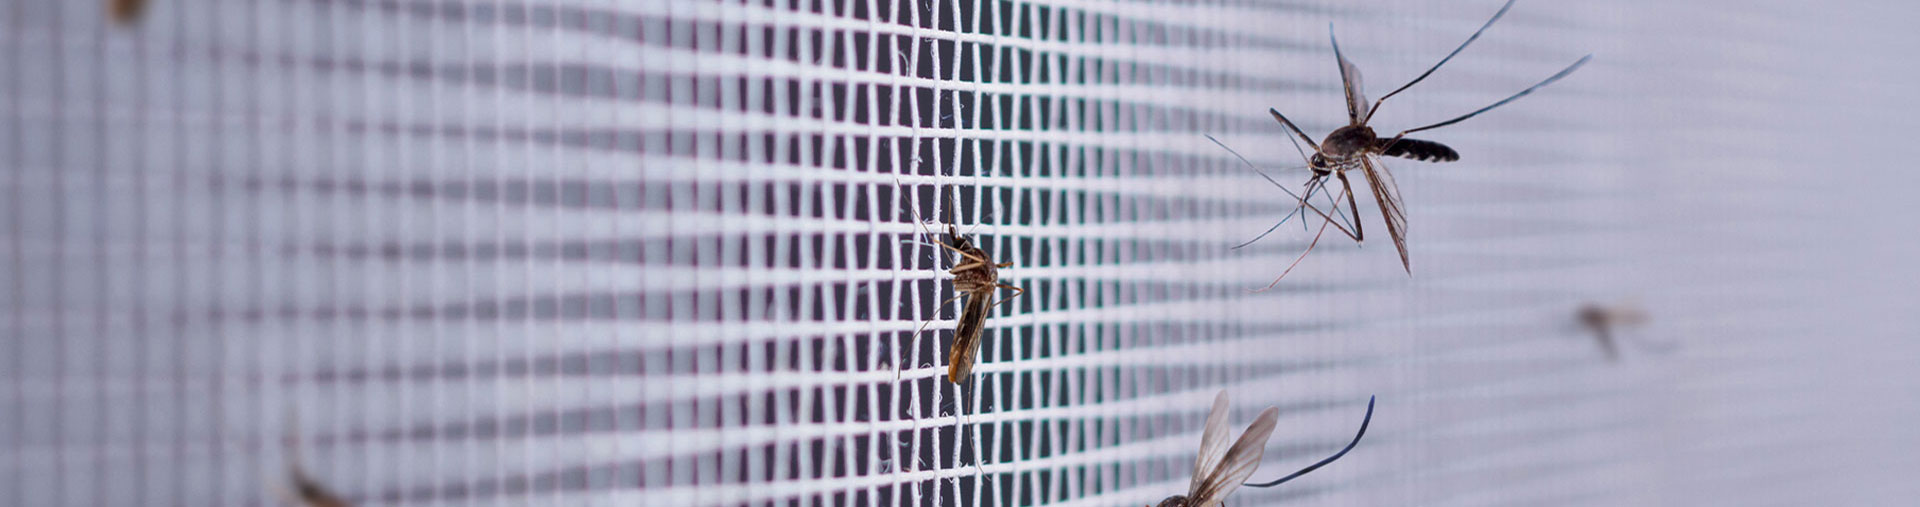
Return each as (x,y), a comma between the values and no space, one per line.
(1219,469)
(1605,321)
(126,12)
(306,491)
(1356,146)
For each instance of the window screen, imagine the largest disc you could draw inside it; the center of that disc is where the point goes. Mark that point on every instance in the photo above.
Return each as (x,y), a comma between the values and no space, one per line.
(600,252)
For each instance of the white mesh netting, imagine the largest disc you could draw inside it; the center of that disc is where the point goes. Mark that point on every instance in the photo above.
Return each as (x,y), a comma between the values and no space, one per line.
(654,252)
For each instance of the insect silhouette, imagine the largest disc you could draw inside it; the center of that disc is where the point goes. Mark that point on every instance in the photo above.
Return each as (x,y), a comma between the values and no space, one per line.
(975,276)
(1357,146)
(126,12)
(307,492)
(1603,320)
(1219,469)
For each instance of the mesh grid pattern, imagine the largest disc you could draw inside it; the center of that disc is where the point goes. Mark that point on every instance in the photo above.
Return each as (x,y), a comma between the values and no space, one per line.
(600,252)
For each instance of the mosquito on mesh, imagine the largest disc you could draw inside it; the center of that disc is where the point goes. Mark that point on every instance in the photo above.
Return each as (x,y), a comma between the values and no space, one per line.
(1219,469)
(975,276)
(1356,146)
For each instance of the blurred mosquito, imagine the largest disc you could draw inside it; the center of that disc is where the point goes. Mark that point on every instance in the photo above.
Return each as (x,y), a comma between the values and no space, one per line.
(306,492)
(126,12)
(1219,469)
(309,493)
(1603,320)
(1356,146)
(975,275)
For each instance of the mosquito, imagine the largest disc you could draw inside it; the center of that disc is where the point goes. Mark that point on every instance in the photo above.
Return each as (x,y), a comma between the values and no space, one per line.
(975,276)
(126,12)
(1602,320)
(1219,469)
(307,492)
(1356,146)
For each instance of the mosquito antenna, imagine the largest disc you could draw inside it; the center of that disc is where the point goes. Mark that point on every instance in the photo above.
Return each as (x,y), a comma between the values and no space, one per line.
(1443,61)
(1523,93)
(914,208)
(952,205)
(1330,459)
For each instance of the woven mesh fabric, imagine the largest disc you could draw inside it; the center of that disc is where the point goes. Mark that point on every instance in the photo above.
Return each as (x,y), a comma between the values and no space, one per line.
(665,252)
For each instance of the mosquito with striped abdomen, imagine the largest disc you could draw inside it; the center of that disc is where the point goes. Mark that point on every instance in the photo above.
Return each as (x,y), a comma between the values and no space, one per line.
(975,276)
(1356,146)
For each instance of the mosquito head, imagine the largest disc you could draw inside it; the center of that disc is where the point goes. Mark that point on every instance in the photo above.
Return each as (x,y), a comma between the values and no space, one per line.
(1320,165)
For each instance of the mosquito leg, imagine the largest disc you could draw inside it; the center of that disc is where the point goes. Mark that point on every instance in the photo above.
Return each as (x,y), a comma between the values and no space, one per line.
(969,265)
(923,325)
(1334,204)
(923,225)
(1303,201)
(1296,260)
(1358,234)
(1331,203)
(1276,226)
(1303,255)
(1017,292)
(969,256)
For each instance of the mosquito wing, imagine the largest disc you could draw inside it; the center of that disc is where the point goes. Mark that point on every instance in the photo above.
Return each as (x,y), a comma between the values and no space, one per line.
(1386,193)
(1240,462)
(1213,442)
(1350,77)
(966,337)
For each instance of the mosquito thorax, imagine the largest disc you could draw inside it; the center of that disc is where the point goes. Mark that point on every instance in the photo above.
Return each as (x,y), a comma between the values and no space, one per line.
(1348,142)
(1174,501)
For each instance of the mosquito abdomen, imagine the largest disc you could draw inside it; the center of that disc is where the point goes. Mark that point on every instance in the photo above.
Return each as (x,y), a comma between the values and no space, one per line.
(1424,151)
